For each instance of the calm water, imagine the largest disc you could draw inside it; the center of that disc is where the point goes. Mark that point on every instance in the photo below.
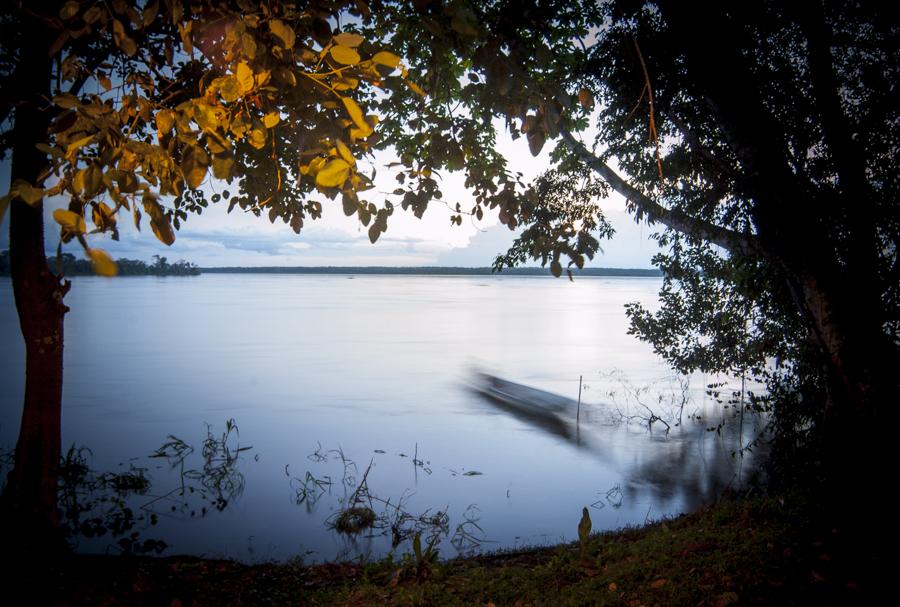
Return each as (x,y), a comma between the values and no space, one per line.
(376,369)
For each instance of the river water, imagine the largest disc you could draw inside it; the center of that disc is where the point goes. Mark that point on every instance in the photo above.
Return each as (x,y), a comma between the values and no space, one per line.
(335,380)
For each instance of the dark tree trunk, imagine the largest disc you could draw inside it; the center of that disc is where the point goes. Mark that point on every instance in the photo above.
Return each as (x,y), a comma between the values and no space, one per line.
(32,485)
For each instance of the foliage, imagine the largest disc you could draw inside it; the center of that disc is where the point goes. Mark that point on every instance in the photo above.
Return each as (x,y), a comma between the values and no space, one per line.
(760,138)
(270,95)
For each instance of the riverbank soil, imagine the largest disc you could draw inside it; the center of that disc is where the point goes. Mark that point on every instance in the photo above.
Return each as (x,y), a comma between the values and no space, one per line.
(763,551)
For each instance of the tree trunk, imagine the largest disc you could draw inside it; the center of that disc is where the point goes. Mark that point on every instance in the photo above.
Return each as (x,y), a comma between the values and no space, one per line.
(31,489)
(860,371)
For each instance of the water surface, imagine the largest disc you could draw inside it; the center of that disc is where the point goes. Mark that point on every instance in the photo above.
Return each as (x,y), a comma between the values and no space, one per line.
(376,369)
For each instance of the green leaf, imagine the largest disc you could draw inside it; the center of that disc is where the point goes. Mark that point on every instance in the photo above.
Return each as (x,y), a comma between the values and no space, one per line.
(536,141)
(417,547)
(556,268)
(349,205)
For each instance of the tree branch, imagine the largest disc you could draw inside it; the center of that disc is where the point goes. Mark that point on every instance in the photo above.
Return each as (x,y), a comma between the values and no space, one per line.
(735,242)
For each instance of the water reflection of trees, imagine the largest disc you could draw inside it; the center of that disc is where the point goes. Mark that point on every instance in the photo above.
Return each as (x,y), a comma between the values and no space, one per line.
(695,465)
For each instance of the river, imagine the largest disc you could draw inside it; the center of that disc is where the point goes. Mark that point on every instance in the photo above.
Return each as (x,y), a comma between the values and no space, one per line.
(328,377)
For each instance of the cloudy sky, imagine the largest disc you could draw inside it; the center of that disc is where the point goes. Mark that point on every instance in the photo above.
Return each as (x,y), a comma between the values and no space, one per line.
(240,239)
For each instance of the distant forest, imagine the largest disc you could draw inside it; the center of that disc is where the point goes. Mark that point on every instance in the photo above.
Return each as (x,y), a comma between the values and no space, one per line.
(428,270)
(73,266)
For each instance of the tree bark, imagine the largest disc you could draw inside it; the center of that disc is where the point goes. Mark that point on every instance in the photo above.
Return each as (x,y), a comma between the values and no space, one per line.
(31,490)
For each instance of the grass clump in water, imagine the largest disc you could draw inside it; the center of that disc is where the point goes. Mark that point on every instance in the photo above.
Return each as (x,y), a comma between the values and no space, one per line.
(353,520)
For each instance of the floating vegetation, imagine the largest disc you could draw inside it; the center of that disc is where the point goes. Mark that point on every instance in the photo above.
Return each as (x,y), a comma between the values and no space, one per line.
(122,505)
(362,511)
(469,535)
(309,489)
(612,496)
(354,520)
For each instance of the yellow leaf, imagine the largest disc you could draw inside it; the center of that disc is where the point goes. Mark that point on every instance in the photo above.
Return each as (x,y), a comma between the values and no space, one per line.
(314,166)
(150,13)
(350,40)
(262,77)
(416,88)
(102,263)
(69,10)
(356,115)
(162,229)
(105,82)
(345,153)
(185,33)
(230,89)
(165,120)
(345,84)
(27,192)
(78,144)
(222,166)
(93,14)
(257,138)
(73,222)
(344,55)
(103,216)
(194,165)
(283,32)
(122,40)
(66,101)
(271,119)
(249,46)
(386,58)
(333,174)
(245,77)
(88,180)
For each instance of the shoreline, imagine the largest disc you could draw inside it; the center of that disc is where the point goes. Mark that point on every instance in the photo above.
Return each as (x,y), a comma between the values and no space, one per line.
(761,550)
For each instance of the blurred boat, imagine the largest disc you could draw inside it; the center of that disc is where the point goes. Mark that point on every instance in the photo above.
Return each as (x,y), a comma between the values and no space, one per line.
(550,411)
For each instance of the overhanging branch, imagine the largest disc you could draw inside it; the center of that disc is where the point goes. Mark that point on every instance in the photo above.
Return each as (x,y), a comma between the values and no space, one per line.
(735,242)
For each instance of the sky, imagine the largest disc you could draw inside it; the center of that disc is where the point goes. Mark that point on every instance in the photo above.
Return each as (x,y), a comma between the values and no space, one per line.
(217,238)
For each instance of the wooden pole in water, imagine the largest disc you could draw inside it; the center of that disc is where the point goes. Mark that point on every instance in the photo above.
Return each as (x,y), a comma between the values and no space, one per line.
(578,410)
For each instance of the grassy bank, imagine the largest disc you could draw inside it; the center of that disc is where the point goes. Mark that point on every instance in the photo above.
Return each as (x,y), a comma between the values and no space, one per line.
(759,551)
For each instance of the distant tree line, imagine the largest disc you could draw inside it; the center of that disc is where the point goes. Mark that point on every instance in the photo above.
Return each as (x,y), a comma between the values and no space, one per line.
(427,270)
(69,265)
